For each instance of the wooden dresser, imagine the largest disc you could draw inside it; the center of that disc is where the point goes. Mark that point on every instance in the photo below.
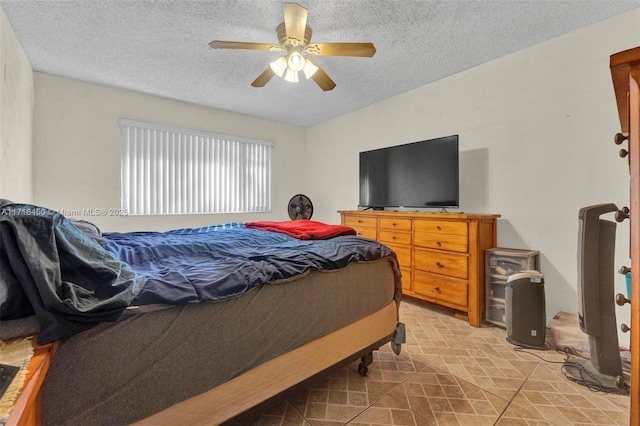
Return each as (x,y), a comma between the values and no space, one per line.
(625,72)
(441,255)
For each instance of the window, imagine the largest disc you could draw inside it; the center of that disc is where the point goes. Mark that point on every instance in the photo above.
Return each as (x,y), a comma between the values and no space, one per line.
(169,170)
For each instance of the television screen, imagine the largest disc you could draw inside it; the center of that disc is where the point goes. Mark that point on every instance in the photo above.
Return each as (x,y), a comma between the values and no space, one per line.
(418,174)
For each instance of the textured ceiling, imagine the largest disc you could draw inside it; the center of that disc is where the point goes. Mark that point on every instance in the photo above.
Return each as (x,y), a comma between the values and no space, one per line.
(161,47)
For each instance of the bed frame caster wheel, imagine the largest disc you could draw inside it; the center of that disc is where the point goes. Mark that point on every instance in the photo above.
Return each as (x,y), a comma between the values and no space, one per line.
(365,362)
(363,370)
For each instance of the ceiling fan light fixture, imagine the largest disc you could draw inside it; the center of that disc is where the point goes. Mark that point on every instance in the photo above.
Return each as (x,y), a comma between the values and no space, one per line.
(309,68)
(294,36)
(296,61)
(291,76)
(279,66)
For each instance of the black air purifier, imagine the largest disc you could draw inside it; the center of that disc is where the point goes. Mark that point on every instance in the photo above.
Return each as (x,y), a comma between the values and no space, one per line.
(526,310)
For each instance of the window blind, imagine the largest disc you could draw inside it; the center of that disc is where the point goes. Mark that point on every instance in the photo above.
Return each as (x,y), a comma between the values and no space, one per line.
(167,170)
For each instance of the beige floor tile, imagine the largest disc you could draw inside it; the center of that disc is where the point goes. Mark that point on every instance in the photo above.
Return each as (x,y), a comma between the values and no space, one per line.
(431,329)
(487,360)
(515,416)
(389,369)
(335,399)
(550,394)
(449,373)
(444,399)
(388,411)
(280,414)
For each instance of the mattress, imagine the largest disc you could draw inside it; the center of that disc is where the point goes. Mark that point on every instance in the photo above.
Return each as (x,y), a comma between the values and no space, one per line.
(120,373)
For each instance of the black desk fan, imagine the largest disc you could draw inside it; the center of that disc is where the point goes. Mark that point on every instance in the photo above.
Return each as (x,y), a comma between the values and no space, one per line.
(300,207)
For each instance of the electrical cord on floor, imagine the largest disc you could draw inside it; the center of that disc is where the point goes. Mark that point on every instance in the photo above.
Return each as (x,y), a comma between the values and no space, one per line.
(572,352)
(588,380)
(547,347)
(585,378)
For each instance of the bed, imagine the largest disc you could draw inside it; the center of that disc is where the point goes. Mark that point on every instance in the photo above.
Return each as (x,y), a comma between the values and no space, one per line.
(208,321)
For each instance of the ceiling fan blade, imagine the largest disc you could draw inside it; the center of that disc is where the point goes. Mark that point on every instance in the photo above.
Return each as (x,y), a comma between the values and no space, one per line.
(321,78)
(295,21)
(342,49)
(220,44)
(263,78)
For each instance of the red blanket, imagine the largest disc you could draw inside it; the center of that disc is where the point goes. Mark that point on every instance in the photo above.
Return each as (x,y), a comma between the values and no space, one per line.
(303,229)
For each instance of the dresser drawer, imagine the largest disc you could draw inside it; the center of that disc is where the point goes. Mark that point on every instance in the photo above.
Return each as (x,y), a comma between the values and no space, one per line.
(365,226)
(442,227)
(360,221)
(393,237)
(444,263)
(397,224)
(365,232)
(440,289)
(403,253)
(440,241)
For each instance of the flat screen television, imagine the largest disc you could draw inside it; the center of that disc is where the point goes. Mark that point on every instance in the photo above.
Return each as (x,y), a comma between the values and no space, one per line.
(422,174)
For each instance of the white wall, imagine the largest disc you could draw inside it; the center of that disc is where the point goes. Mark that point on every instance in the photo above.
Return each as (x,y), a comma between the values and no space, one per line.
(77,150)
(536,130)
(16,116)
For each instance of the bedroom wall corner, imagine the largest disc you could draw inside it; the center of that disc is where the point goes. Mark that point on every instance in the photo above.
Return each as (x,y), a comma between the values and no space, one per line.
(16,117)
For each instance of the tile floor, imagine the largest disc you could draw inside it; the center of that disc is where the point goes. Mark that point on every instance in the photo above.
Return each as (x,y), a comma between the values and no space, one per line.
(449,373)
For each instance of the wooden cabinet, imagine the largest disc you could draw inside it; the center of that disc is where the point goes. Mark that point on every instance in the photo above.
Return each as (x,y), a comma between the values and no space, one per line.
(625,73)
(441,255)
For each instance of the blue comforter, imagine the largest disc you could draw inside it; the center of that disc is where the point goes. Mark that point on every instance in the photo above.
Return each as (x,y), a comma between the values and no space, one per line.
(73,280)
(219,262)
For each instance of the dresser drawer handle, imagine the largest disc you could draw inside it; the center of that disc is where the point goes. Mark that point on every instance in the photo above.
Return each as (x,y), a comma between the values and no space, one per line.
(438,243)
(438,228)
(393,238)
(439,265)
(359,220)
(436,289)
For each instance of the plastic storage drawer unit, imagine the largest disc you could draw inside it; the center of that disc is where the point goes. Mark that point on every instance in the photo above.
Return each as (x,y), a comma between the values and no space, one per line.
(500,263)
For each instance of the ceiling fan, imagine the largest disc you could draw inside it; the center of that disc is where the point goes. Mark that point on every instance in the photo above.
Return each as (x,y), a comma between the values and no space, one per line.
(294,36)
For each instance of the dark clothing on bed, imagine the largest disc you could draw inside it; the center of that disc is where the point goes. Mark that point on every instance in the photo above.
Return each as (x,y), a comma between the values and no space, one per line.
(49,267)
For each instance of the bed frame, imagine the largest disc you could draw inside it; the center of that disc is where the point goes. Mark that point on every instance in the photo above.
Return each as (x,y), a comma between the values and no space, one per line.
(248,393)
(218,362)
